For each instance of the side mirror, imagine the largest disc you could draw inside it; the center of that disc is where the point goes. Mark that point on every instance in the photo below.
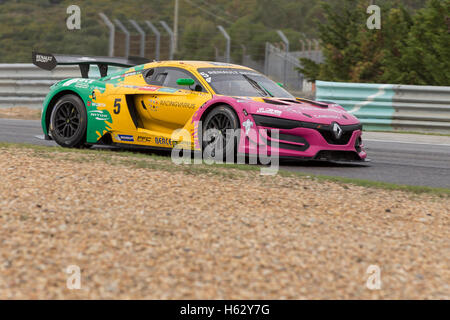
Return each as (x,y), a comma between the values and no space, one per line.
(185,82)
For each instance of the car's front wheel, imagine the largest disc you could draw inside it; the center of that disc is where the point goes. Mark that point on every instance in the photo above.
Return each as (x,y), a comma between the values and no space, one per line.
(220,134)
(68,122)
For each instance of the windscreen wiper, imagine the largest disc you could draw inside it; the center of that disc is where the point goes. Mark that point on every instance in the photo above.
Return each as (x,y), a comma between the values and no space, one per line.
(256,85)
(268,92)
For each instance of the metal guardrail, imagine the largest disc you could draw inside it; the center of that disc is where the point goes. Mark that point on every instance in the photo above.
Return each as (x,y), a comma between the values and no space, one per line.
(378,106)
(25,85)
(391,107)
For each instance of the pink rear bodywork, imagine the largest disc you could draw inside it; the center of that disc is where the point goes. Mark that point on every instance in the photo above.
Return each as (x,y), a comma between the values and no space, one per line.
(311,112)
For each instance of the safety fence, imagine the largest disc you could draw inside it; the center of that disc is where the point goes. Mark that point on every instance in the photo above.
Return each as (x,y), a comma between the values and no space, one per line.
(282,66)
(391,107)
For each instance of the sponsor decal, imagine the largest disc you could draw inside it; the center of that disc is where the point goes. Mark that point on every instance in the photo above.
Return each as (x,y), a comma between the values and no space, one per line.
(145,88)
(222,64)
(248,124)
(229,71)
(82,85)
(44,59)
(153,105)
(164,141)
(102,115)
(79,83)
(132,73)
(149,88)
(206,76)
(144,139)
(127,74)
(125,137)
(167,90)
(269,111)
(176,104)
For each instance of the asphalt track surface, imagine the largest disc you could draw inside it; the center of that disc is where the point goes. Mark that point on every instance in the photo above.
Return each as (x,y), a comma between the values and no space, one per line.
(397,158)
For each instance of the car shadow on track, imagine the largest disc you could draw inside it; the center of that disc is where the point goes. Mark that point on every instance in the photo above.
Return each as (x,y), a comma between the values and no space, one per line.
(283,162)
(324,164)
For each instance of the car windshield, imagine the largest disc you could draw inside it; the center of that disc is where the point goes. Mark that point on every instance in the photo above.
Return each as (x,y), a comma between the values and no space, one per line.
(242,83)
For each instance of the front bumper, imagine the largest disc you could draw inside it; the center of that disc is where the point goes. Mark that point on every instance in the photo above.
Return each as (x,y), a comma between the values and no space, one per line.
(310,141)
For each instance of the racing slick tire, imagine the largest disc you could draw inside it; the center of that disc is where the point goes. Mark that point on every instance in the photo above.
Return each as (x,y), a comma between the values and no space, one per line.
(224,121)
(68,122)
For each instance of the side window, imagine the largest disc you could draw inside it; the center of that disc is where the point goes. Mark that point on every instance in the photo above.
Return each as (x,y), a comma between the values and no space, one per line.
(173,75)
(148,74)
(156,76)
(160,78)
(168,77)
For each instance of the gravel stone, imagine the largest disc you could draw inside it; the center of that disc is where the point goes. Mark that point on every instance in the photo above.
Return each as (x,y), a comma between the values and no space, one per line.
(142,233)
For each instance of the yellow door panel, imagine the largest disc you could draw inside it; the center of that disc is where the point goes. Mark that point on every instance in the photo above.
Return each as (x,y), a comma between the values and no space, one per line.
(165,112)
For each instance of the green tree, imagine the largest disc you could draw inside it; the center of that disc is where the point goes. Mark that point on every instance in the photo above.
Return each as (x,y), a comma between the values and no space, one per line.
(406,50)
(425,57)
(395,35)
(40,24)
(340,44)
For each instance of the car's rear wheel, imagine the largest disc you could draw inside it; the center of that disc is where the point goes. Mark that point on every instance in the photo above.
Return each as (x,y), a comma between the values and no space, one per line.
(68,122)
(221,123)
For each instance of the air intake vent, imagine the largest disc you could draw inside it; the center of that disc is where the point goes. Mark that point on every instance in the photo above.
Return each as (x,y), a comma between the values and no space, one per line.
(315,103)
(291,101)
(277,102)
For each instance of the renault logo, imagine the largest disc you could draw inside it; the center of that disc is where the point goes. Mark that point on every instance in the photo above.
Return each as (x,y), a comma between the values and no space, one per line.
(337,130)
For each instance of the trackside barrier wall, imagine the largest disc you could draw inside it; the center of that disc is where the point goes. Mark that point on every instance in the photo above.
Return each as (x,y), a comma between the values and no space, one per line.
(391,107)
(25,85)
(378,106)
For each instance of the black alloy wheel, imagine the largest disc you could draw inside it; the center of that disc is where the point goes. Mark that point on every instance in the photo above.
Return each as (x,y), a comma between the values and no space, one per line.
(221,123)
(68,122)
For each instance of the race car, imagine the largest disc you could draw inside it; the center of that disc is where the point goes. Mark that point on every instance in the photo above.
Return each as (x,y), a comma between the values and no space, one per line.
(164,104)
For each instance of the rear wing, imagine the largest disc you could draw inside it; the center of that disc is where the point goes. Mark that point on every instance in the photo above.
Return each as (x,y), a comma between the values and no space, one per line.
(49,62)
